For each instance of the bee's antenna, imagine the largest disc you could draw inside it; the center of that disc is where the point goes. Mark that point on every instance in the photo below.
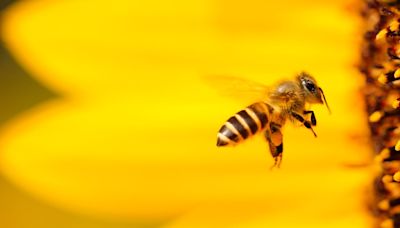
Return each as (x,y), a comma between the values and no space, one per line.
(326,103)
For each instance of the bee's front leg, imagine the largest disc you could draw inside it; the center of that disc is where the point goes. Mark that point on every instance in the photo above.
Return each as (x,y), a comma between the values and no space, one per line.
(275,140)
(313,119)
(306,123)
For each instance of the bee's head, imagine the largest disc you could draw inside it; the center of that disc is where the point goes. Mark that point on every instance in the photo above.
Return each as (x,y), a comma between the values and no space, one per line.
(312,92)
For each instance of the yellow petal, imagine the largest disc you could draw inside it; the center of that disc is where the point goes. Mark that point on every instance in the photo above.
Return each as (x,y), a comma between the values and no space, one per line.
(134,135)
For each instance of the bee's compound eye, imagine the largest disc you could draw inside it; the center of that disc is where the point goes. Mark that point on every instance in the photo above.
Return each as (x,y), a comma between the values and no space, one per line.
(310,86)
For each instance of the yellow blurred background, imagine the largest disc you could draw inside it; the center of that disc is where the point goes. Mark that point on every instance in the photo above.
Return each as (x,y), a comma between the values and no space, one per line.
(107,121)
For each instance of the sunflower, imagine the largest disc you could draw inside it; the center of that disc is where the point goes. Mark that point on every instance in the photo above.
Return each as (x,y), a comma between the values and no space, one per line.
(130,137)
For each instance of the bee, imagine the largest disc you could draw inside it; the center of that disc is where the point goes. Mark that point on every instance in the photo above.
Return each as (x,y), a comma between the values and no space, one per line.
(286,100)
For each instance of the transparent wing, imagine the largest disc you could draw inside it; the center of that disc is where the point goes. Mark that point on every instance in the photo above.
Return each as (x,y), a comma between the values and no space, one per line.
(240,89)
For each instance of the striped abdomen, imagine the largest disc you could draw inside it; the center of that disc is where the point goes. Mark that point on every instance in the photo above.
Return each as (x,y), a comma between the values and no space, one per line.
(244,124)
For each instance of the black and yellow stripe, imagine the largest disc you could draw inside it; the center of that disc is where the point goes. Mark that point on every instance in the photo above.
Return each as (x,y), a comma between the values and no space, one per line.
(244,124)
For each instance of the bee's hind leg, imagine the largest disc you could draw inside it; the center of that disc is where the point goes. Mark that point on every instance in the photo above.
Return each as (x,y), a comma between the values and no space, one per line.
(274,137)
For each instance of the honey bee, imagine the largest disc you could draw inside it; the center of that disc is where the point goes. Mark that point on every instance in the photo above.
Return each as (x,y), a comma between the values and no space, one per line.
(287,100)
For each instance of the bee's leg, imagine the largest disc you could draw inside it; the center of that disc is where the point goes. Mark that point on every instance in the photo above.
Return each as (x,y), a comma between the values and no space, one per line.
(306,123)
(274,137)
(313,119)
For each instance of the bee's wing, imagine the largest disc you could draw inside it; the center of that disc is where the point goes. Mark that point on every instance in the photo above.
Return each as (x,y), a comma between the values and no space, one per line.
(240,89)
